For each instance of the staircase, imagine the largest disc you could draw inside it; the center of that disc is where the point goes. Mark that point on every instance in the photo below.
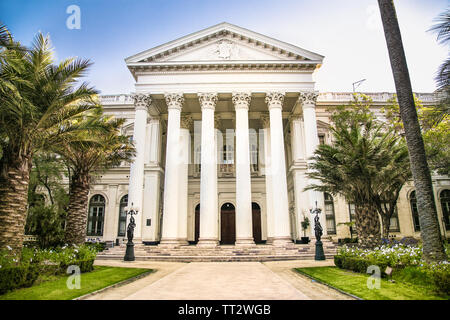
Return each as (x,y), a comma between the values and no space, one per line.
(222,253)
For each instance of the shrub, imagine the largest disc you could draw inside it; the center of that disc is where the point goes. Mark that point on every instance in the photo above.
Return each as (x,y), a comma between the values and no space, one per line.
(440,276)
(46,223)
(19,276)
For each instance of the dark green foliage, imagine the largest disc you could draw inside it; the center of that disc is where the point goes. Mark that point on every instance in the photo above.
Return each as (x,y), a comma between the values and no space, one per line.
(14,277)
(46,223)
(358,264)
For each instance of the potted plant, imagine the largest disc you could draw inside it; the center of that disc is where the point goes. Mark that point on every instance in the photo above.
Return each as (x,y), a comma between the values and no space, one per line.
(305,225)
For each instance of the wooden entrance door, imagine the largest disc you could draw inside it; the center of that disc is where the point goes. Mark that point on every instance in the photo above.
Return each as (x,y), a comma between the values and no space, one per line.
(197,223)
(256,222)
(227,224)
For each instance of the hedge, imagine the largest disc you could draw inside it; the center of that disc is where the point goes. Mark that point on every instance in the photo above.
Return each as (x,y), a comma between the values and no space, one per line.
(358,264)
(22,276)
(18,277)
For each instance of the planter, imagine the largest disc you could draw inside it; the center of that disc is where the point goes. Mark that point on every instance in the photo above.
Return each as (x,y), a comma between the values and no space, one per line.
(305,240)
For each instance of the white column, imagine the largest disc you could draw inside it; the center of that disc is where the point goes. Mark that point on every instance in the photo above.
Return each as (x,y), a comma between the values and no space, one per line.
(268,176)
(244,230)
(136,184)
(185,137)
(308,101)
(209,212)
(170,236)
(152,182)
(282,232)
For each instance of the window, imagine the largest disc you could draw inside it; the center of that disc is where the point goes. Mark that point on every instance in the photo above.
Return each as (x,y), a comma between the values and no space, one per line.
(351,210)
(122,216)
(254,157)
(198,159)
(415,213)
(329,214)
(228,154)
(96,215)
(394,226)
(445,205)
(321,139)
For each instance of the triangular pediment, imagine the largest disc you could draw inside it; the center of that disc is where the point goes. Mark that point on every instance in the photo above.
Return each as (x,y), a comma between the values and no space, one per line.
(224,42)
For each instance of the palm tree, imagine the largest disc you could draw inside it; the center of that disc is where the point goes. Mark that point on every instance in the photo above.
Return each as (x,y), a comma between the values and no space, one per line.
(86,158)
(39,104)
(365,164)
(433,249)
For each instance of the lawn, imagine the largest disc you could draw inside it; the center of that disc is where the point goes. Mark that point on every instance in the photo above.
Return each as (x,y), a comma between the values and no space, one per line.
(356,284)
(55,287)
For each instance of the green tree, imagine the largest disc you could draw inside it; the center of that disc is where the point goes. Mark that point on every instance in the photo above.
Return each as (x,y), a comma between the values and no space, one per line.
(433,249)
(366,163)
(435,132)
(40,102)
(87,159)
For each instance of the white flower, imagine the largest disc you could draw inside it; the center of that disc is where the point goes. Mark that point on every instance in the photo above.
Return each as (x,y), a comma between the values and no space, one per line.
(9,248)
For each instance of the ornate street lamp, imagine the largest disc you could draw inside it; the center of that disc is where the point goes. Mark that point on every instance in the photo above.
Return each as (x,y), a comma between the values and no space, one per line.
(129,253)
(320,255)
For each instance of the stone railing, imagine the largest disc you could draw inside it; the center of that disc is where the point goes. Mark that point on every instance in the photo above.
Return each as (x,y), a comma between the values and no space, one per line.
(116,99)
(376,97)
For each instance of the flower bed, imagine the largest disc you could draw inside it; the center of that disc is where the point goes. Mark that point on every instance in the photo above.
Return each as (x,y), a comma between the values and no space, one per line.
(22,271)
(398,257)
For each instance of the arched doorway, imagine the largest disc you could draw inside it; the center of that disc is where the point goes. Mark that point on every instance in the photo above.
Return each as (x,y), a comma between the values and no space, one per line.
(256,222)
(197,223)
(227,224)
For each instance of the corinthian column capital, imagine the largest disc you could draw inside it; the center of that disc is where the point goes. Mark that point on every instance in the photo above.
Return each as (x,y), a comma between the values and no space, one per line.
(141,101)
(275,99)
(241,100)
(208,100)
(308,98)
(174,100)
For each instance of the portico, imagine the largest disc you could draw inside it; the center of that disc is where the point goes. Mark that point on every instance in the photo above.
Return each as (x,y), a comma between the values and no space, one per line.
(223,118)
(214,156)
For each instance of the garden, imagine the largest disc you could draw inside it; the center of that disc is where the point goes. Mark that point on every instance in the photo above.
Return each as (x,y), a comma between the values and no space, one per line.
(404,273)
(43,274)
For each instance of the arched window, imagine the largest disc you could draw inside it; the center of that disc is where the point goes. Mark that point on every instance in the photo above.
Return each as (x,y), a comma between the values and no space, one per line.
(96,216)
(122,216)
(445,205)
(415,213)
(329,214)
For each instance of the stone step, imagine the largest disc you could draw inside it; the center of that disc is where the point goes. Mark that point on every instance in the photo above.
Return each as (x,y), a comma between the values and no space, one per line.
(258,258)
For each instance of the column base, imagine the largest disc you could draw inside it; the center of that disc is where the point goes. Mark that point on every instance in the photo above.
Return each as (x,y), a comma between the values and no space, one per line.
(245,242)
(172,243)
(207,243)
(282,242)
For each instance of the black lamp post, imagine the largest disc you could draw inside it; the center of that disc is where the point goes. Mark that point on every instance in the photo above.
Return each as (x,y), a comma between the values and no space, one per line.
(129,253)
(320,255)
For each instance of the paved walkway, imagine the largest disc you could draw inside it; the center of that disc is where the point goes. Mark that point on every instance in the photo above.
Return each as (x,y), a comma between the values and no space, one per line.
(220,281)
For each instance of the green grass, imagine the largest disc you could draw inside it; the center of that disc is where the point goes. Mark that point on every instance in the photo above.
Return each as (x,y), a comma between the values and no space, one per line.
(55,288)
(406,286)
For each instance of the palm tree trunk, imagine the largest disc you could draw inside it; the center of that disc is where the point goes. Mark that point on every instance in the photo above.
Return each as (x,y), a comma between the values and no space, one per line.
(76,221)
(14,179)
(433,249)
(367,226)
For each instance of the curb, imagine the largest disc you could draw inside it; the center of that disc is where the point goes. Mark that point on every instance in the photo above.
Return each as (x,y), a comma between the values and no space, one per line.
(115,285)
(326,284)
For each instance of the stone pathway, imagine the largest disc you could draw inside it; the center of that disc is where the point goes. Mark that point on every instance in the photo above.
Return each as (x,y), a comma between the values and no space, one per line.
(220,281)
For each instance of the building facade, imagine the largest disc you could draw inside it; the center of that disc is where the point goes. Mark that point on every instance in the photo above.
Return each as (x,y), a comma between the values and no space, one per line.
(224,122)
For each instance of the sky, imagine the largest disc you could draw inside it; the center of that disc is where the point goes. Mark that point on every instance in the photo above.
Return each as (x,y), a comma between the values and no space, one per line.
(348,33)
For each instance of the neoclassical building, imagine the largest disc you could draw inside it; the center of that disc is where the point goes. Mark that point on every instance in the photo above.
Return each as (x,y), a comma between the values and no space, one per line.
(224,122)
